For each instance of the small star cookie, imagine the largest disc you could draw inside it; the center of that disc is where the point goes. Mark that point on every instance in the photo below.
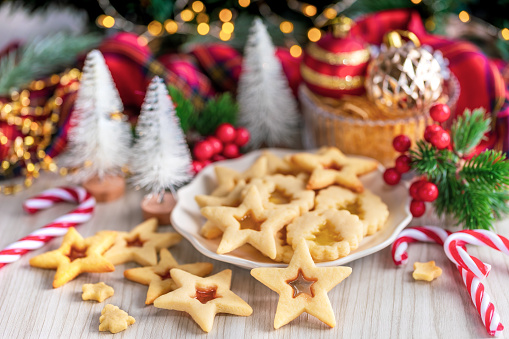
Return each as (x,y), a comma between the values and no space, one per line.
(249,223)
(98,292)
(158,278)
(426,271)
(141,244)
(330,166)
(77,255)
(114,319)
(302,287)
(203,298)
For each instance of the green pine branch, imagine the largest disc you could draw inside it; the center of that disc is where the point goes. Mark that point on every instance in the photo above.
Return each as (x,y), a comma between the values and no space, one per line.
(473,192)
(429,161)
(217,111)
(40,58)
(468,130)
(486,170)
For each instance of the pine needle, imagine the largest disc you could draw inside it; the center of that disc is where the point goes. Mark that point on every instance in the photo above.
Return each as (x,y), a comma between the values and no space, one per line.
(468,130)
(486,170)
(41,57)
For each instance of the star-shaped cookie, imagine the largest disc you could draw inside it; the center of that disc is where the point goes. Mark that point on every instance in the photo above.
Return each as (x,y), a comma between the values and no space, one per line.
(302,287)
(203,298)
(158,278)
(330,166)
(427,271)
(277,165)
(249,223)
(114,319)
(228,178)
(141,244)
(233,198)
(98,292)
(77,255)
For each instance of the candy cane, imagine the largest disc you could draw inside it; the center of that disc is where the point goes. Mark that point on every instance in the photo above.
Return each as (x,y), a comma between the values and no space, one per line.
(481,300)
(459,256)
(430,234)
(475,288)
(56,228)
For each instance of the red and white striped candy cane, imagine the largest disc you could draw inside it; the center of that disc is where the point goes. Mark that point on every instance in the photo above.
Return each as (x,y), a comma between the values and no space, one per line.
(56,228)
(475,288)
(432,234)
(482,302)
(459,256)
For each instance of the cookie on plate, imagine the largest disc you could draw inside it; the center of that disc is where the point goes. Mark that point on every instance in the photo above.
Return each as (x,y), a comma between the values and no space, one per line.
(330,235)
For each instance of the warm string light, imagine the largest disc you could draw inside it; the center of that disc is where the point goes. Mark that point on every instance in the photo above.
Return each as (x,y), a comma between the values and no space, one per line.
(37,125)
(464,16)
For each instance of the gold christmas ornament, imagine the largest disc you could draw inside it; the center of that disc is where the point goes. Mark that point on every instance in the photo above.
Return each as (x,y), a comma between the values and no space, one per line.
(405,79)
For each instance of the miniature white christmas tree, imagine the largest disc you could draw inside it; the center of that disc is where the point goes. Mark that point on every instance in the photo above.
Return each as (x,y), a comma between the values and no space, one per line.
(267,107)
(100,137)
(160,157)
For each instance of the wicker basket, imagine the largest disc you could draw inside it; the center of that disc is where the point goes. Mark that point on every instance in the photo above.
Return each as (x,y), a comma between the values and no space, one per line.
(325,125)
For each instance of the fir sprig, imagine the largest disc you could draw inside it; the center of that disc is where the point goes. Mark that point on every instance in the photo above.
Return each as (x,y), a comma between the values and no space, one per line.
(429,161)
(468,130)
(41,57)
(488,169)
(475,191)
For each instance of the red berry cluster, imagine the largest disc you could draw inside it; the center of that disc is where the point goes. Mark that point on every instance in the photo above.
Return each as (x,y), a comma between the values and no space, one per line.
(422,190)
(224,144)
(392,176)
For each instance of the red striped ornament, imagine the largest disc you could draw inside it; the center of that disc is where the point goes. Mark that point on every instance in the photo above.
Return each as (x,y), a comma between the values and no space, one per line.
(56,228)
(335,66)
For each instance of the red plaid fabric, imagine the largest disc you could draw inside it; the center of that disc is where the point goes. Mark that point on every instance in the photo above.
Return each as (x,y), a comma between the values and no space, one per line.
(221,63)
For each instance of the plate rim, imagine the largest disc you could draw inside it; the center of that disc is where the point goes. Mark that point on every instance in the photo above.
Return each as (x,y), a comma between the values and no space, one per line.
(249,264)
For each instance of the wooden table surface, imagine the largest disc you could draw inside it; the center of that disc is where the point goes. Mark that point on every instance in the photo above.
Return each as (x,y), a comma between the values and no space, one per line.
(378,300)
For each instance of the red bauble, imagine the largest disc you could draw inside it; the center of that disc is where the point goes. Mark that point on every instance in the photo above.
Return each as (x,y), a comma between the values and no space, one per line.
(403,163)
(401,143)
(430,130)
(440,139)
(225,132)
(391,176)
(440,112)
(206,162)
(216,144)
(428,192)
(333,66)
(414,188)
(417,208)
(242,136)
(218,157)
(197,166)
(203,150)
(231,151)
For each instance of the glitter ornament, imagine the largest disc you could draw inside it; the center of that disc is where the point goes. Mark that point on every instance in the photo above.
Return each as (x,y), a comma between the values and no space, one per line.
(405,79)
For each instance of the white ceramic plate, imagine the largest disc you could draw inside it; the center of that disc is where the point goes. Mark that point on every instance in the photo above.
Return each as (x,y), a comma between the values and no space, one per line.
(187,220)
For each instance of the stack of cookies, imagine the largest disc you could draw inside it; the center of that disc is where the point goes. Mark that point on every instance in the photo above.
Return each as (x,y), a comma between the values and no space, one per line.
(317,197)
